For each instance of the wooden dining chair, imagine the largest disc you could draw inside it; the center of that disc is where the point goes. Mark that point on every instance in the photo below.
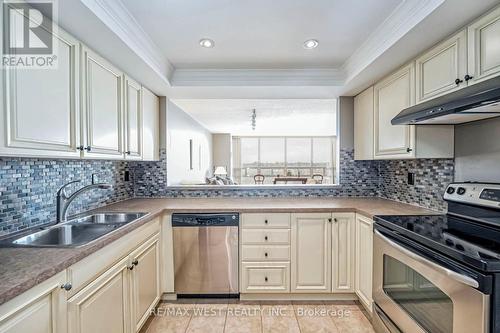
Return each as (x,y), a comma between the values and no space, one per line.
(318,179)
(259,179)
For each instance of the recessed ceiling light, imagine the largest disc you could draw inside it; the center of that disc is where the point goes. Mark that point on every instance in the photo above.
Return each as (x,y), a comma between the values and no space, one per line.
(206,42)
(311,44)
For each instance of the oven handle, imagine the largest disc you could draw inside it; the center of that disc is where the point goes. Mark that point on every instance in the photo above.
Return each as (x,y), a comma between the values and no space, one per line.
(451,274)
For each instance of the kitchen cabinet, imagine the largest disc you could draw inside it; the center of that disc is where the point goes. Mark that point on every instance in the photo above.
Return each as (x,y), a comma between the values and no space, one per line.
(150,126)
(363,125)
(483,51)
(42,115)
(343,259)
(311,247)
(133,119)
(41,309)
(103,305)
(145,281)
(265,277)
(392,95)
(102,103)
(364,260)
(442,69)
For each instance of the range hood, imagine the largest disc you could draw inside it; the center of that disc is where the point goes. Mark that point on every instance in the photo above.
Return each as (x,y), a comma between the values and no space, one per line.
(475,102)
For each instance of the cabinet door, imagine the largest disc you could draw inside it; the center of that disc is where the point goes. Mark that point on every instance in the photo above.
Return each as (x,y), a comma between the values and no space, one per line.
(441,70)
(41,309)
(145,281)
(41,115)
(363,125)
(150,126)
(391,96)
(343,258)
(364,264)
(311,253)
(103,305)
(483,47)
(102,100)
(133,119)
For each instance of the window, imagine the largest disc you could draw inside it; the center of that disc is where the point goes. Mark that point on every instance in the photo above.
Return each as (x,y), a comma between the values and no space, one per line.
(284,160)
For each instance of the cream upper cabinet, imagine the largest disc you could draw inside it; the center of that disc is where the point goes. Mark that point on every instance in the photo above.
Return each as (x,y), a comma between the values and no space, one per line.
(103,305)
(102,89)
(41,309)
(391,96)
(311,253)
(150,126)
(343,259)
(442,69)
(364,260)
(133,119)
(41,116)
(145,281)
(363,125)
(484,47)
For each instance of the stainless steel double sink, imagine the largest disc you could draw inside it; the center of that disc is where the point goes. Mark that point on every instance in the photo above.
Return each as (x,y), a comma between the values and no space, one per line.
(74,233)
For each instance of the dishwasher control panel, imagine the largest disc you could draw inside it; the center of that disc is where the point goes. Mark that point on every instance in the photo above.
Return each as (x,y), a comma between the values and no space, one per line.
(205,219)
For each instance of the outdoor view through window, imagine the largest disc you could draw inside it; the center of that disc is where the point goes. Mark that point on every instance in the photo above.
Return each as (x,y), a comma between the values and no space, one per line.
(252,142)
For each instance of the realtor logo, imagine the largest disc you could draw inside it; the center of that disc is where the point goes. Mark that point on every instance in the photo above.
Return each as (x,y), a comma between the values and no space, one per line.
(28,34)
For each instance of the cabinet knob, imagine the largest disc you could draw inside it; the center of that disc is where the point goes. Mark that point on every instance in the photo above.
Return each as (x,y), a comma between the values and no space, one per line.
(266,221)
(67,286)
(335,220)
(409,150)
(79,148)
(131,267)
(128,152)
(265,254)
(330,220)
(265,238)
(265,279)
(135,262)
(458,81)
(88,148)
(468,77)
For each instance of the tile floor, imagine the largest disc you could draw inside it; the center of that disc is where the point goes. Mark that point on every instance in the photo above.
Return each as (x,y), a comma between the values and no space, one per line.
(261,317)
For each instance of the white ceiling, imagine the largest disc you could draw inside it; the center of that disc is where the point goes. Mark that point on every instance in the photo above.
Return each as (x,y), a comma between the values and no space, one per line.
(259,33)
(290,117)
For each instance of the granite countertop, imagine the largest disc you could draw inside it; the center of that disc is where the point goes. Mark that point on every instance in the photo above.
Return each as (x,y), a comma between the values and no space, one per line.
(23,268)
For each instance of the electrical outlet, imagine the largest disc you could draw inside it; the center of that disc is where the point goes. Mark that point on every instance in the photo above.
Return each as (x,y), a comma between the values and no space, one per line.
(126,176)
(411,178)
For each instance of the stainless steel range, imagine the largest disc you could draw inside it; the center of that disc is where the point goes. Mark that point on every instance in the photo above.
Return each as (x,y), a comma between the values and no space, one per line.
(440,274)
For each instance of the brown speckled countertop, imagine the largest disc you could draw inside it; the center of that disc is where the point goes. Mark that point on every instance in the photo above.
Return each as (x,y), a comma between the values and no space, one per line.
(23,268)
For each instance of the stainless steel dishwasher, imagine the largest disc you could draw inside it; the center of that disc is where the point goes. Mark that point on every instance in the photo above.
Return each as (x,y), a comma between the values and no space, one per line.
(206,254)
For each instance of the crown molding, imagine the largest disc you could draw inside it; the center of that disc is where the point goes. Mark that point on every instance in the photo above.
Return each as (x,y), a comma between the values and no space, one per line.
(404,18)
(116,17)
(258,77)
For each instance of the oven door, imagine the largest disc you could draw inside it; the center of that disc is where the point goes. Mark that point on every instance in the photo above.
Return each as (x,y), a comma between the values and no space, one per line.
(416,294)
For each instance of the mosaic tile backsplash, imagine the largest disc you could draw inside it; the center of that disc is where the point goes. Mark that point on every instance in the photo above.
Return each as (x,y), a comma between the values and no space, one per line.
(28,186)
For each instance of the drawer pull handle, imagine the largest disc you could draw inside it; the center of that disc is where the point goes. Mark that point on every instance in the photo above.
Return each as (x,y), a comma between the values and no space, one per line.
(265,254)
(265,238)
(265,279)
(67,286)
(266,221)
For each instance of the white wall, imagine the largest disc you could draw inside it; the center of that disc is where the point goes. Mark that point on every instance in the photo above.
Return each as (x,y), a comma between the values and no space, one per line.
(221,143)
(181,128)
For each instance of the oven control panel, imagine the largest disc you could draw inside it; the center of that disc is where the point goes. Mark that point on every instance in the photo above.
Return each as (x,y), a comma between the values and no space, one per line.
(480,194)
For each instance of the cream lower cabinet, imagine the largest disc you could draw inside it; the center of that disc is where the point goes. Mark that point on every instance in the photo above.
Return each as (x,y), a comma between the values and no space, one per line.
(311,253)
(145,281)
(343,259)
(364,260)
(120,299)
(41,309)
(103,305)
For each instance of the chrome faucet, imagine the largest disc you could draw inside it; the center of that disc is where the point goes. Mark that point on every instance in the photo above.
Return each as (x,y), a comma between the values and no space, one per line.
(63,200)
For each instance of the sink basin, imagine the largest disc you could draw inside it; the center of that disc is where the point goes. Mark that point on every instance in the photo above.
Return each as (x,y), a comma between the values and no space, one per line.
(65,235)
(108,218)
(74,233)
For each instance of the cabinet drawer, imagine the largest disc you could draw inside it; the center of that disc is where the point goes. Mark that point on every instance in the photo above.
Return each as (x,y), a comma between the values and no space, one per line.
(265,277)
(271,220)
(265,253)
(265,236)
